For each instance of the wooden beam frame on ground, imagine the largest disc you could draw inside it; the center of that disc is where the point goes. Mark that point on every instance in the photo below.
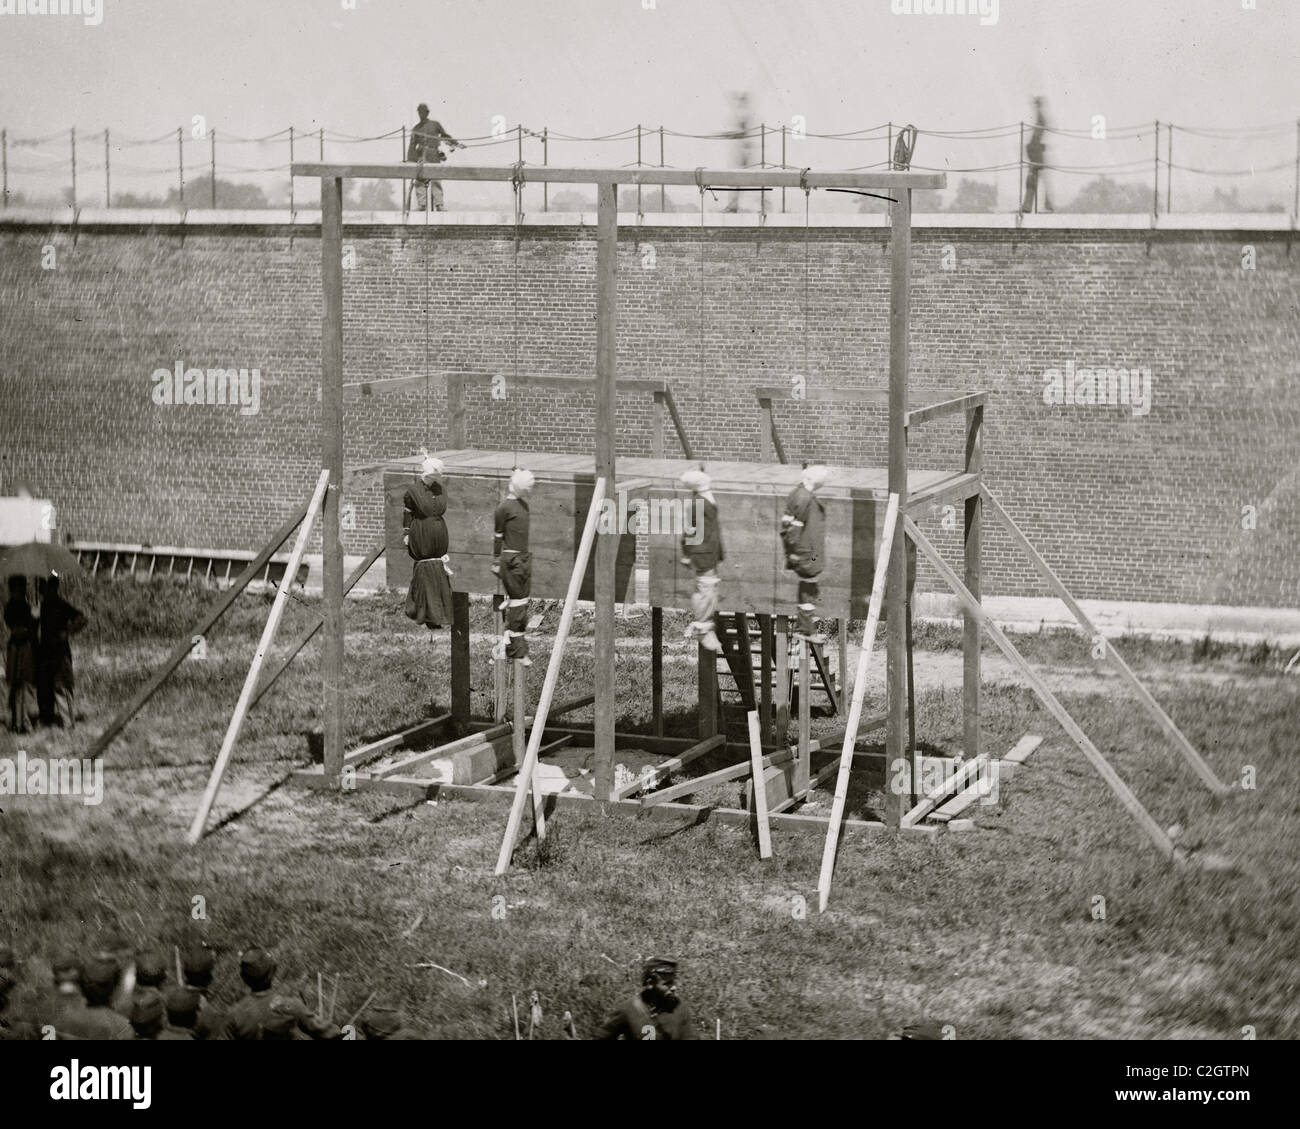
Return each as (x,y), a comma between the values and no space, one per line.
(393,741)
(526,770)
(1131,803)
(661,772)
(259,656)
(947,788)
(699,783)
(855,707)
(1112,656)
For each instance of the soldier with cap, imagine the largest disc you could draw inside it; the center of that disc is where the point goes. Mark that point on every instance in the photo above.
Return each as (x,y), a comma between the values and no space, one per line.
(702,551)
(197,963)
(267,1014)
(513,563)
(803,535)
(427,138)
(101,976)
(150,968)
(149,1018)
(182,1006)
(655,1012)
(387,1025)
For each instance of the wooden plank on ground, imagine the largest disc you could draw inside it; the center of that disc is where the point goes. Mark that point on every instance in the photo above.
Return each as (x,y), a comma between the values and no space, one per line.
(958,780)
(451,747)
(661,772)
(394,741)
(699,783)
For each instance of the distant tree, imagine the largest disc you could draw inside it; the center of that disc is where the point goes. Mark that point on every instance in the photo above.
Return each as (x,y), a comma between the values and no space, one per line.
(974,197)
(131,200)
(571,201)
(231,196)
(371,196)
(1104,196)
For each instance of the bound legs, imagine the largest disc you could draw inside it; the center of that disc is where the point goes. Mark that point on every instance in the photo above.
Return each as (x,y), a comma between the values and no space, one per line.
(704,606)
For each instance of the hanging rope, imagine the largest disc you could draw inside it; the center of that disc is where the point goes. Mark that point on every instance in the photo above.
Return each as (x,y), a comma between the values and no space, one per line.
(807,196)
(699,183)
(517,184)
(428,389)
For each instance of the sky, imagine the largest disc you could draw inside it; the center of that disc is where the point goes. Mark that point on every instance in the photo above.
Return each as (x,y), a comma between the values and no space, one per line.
(590,67)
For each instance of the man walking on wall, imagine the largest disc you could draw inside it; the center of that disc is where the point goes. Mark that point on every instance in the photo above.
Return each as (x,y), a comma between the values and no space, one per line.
(426,148)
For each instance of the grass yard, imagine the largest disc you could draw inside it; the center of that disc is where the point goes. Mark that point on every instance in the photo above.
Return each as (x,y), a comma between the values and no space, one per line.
(996,931)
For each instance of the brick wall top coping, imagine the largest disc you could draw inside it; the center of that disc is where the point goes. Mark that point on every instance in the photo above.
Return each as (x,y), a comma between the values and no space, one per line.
(310,219)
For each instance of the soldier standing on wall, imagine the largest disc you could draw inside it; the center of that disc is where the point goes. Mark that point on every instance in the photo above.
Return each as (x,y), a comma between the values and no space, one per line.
(426,148)
(1035,152)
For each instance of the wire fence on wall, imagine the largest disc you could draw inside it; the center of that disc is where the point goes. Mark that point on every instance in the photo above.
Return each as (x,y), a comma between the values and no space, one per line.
(1156,167)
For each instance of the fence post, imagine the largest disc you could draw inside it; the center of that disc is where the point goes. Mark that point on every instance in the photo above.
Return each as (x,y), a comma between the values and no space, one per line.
(291,176)
(108,186)
(212,152)
(180,151)
(663,205)
(762,164)
(4,159)
(74,168)
(1295,211)
(1169,172)
(546,160)
(322,145)
(638,165)
(889,146)
(1155,201)
(783,165)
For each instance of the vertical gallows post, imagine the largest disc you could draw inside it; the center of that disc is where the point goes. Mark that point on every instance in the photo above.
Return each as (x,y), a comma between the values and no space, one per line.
(606,545)
(331,402)
(900,246)
(971,628)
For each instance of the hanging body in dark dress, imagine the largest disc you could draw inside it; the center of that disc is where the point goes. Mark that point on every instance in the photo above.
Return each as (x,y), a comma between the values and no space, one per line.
(428,600)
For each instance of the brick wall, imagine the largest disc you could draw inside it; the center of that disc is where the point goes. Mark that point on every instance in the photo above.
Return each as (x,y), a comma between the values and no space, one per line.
(1126,507)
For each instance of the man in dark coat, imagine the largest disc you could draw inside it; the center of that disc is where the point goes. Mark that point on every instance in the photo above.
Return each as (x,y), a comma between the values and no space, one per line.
(514,565)
(428,599)
(702,551)
(20,658)
(803,535)
(54,681)
(655,1012)
(265,1014)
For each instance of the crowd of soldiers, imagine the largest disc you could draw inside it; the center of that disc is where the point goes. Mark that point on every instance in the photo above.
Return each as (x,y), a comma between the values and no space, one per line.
(116,992)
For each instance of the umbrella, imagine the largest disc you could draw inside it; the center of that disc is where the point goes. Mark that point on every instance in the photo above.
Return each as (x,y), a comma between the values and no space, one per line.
(37,558)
